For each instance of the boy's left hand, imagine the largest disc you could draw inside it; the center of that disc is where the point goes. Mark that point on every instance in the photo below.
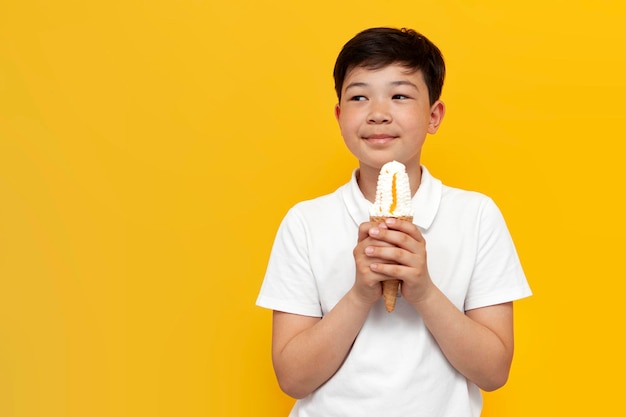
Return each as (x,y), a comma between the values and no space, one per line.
(407,258)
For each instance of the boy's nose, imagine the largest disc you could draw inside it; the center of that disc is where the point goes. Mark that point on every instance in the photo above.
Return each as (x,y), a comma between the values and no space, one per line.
(378,114)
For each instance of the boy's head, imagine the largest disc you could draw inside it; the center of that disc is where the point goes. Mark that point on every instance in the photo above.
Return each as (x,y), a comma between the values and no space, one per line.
(377,48)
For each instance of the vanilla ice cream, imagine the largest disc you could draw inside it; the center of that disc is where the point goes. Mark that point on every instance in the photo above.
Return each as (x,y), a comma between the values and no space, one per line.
(393,192)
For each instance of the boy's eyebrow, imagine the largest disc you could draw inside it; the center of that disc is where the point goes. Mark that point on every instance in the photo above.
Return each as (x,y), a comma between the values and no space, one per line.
(404,82)
(394,83)
(356,84)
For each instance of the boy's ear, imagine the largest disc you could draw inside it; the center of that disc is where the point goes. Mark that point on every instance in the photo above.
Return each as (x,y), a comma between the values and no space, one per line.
(437,111)
(337,111)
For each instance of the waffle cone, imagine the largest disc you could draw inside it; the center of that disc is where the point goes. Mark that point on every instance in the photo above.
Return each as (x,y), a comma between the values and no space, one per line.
(390,287)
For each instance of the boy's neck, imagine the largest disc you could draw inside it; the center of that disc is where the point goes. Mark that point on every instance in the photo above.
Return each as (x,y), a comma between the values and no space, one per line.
(368,179)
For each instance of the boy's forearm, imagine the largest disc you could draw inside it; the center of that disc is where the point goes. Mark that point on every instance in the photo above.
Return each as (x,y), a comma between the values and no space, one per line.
(478,344)
(312,356)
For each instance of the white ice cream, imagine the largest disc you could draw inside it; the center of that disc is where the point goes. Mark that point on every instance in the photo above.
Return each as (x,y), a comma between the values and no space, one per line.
(393,192)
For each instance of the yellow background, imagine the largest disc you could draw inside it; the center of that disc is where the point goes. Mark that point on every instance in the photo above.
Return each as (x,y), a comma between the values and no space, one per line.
(149,150)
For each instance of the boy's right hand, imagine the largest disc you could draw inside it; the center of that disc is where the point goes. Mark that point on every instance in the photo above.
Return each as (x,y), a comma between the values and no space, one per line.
(367,284)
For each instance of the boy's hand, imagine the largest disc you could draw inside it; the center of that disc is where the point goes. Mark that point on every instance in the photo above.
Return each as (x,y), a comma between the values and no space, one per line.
(395,250)
(367,283)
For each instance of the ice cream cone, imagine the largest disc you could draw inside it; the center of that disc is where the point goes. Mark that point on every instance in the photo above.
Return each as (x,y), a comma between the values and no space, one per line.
(390,287)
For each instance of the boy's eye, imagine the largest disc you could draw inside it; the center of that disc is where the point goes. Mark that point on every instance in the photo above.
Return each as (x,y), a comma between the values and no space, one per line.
(358,98)
(400,97)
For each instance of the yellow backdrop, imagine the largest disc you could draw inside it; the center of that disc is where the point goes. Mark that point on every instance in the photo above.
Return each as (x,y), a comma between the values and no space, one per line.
(149,150)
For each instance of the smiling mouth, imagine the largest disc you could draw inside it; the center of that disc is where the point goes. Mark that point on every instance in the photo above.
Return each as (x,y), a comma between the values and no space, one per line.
(380,138)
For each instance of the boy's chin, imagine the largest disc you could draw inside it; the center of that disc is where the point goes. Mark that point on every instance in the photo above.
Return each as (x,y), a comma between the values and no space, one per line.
(378,163)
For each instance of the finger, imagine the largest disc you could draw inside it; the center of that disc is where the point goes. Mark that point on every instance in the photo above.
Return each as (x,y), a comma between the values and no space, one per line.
(399,238)
(391,271)
(396,255)
(404,226)
(365,227)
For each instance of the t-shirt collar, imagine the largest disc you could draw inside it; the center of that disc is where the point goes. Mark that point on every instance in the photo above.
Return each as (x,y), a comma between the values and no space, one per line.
(425,201)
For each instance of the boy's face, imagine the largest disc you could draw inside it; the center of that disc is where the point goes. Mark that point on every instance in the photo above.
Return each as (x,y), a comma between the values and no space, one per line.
(385,115)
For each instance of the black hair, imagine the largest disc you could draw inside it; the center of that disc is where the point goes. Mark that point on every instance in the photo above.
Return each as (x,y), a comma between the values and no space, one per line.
(377,48)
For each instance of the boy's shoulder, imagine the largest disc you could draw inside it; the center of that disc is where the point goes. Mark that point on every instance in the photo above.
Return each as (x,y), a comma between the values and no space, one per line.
(435,191)
(465,200)
(345,205)
(467,206)
(322,203)
(463,195)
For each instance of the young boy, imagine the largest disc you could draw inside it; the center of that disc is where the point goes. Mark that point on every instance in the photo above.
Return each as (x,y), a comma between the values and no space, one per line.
(334,346)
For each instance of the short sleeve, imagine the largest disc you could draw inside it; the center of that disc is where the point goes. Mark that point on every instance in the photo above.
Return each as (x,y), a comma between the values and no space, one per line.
(289,283)
(498,276)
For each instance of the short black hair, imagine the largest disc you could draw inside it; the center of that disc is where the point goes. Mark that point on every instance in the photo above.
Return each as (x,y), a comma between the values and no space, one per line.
(377,48)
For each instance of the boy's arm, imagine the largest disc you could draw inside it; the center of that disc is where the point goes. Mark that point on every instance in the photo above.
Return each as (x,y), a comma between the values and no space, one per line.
(478,343)
(307,351)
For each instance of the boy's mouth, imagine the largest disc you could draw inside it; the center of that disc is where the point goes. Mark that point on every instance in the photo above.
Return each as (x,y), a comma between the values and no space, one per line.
(380,138)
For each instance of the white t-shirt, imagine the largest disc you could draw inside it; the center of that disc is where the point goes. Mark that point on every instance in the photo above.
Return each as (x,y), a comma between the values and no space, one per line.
(395,367)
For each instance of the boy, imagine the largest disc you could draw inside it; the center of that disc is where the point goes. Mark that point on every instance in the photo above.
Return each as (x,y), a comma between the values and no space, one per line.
(334,347)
